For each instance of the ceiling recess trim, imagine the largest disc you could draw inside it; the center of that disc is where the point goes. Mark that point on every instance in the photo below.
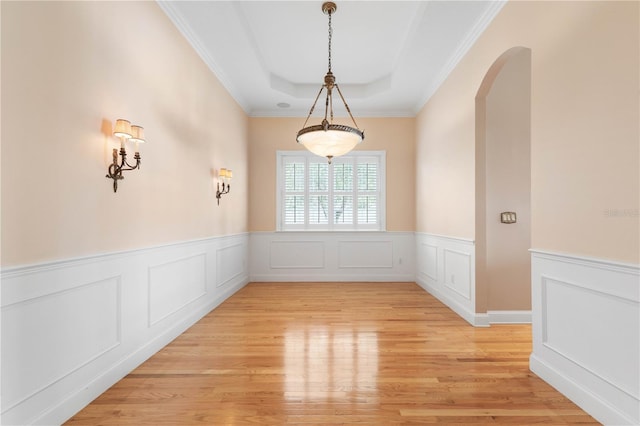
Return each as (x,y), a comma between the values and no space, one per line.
(481,24)
(298,113)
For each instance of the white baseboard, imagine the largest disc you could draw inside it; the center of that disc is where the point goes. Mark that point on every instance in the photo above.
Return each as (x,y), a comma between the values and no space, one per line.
(476,320)
(586,332)
(579,394)
(54,361)
(509,317)
(333,278)
(479,319)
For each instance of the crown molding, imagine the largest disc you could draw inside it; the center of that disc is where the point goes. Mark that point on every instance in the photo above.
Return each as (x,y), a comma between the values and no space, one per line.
(197,44)
(467,42)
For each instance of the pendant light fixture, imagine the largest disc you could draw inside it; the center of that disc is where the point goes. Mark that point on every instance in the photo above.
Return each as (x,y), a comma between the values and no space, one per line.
(327,139)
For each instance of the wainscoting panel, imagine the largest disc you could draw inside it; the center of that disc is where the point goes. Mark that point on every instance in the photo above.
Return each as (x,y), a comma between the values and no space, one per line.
(586,333)
(174,285)
(365,254)
(428,255)
(296,254)
(457,272)
(37,332)
(231,263)
(332,256)
(445,267)
(72,328)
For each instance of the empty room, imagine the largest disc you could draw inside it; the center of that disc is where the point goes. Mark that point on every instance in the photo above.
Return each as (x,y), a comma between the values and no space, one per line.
(308,212)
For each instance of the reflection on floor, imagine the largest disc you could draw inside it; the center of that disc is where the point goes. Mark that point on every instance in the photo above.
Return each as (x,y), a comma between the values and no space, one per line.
(336,353)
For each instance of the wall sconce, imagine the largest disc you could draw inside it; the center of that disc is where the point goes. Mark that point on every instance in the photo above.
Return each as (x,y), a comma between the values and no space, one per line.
(125,131)
(225,176)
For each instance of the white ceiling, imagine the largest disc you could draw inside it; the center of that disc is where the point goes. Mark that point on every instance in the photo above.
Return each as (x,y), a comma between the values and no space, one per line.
(388,57)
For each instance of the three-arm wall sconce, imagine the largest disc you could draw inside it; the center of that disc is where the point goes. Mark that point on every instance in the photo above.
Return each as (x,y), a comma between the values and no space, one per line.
(225,176)
(126,132)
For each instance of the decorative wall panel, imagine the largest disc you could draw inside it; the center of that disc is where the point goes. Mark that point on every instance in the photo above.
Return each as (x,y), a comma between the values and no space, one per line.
(231,262)
(71,329)
(332,256)
(296,255)
(175,284)
(48,337)
(457,272)
(445,267)
(586,333)
(365,254)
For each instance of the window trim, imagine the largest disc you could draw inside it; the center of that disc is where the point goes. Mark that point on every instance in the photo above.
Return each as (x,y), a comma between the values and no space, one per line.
(281,157)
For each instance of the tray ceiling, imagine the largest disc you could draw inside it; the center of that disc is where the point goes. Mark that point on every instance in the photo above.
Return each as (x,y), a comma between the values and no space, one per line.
(388,57)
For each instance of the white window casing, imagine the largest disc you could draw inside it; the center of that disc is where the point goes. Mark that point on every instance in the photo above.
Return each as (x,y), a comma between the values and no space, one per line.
(347,195)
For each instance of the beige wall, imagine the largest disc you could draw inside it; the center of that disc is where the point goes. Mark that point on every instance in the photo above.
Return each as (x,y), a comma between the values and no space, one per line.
(394,135)
(584,129)
(61,83)
(69,69)
(507,186)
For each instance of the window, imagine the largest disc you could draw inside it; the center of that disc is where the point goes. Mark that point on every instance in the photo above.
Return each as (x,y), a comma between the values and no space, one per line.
(348,194)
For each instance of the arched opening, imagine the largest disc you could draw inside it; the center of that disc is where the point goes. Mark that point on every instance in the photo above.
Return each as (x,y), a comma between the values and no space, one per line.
(503,184)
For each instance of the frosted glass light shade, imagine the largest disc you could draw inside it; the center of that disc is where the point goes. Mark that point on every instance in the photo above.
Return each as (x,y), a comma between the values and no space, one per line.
(335,141)
(122,129)
(137,134)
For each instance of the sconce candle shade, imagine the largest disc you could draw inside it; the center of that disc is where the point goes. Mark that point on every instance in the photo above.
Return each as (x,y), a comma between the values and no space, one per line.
(137,134)
(225,173)
(122,129)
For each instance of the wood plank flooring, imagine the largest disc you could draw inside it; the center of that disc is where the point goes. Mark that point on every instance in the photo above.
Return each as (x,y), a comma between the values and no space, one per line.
(336,353)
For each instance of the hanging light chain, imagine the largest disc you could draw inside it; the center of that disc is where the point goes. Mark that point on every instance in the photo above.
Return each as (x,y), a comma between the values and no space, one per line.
(330,34)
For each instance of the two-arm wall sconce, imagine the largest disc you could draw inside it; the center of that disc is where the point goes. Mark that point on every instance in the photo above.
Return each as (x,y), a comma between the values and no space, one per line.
(125,131)
(225,176)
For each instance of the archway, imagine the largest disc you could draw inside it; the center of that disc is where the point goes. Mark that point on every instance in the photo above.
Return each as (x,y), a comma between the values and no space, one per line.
(503,184)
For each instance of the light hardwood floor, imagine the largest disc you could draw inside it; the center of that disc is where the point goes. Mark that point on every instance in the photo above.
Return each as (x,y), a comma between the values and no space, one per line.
(336,353)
